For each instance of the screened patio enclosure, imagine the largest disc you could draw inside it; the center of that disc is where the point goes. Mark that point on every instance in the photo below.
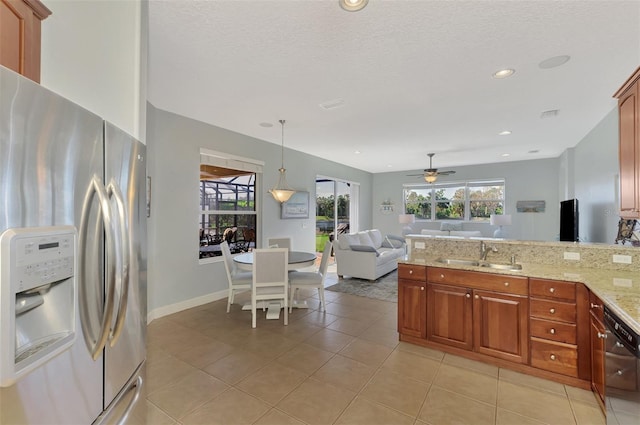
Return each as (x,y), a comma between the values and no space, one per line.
(227,211)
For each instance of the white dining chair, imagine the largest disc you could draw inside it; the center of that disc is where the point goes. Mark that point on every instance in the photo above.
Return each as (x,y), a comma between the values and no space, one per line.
(280,243)
(239,281)
(270,281)
(298,280)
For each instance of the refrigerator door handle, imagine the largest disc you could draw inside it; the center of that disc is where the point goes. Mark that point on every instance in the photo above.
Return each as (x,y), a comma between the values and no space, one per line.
(95,345)
(123,235)
(137,385)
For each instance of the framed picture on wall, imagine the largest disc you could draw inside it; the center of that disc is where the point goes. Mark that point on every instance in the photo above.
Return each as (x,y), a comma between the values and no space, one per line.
(297,206)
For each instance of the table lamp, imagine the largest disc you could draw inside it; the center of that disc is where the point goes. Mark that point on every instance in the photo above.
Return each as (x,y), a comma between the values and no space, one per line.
(406,220)
(500,220)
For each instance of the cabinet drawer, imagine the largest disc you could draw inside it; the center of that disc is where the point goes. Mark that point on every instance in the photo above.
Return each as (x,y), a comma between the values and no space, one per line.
(516,285)
(411,272)
(554,356)
(555,331)
(555,289)
(552,310)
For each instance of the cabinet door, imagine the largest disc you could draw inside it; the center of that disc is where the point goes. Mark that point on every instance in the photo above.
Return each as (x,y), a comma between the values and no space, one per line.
(598,335)
(450,315)
(20,36)
(629,117)
(412,304)
(500,325)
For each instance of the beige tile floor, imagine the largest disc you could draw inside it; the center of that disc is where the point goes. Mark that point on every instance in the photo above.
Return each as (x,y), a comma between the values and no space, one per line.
(342,366)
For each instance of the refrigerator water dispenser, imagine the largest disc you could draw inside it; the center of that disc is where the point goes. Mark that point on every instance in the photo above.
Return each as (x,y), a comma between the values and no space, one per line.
(37,297)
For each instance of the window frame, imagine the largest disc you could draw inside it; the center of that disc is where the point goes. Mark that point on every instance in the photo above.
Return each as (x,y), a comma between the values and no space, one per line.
(467,186)
(247,165)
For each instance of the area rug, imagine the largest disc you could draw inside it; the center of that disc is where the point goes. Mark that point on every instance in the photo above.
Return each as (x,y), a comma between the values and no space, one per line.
(384,288)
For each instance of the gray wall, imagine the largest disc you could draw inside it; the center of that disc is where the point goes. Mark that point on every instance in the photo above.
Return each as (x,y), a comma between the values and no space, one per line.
(177,279)
(596,177)
(525,181)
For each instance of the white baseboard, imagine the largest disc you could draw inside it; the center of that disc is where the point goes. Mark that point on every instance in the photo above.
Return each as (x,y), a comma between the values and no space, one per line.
(184,305)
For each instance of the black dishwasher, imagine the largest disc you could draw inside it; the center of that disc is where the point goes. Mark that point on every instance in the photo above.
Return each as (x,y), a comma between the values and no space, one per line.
(622,371)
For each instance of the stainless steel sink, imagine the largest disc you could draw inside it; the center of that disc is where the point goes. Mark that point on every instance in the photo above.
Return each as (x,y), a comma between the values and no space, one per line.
(455,261)
(512,267)
(459,262)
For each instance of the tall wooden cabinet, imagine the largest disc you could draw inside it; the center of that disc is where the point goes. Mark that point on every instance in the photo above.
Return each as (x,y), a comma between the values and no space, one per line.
(20,36)
(629,149)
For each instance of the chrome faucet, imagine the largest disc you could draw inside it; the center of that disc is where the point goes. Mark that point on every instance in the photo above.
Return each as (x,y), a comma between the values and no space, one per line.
(484,250)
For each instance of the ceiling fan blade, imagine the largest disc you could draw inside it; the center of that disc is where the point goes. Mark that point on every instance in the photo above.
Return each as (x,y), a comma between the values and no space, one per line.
(446,173)
(415,175)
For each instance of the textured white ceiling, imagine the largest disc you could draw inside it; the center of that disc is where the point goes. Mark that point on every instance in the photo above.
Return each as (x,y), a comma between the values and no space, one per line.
(415,76)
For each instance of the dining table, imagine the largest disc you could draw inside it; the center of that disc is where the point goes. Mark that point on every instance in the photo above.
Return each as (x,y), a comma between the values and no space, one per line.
(297,260)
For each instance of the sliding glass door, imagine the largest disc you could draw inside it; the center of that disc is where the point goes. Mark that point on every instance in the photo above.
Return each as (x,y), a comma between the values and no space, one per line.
(333,210)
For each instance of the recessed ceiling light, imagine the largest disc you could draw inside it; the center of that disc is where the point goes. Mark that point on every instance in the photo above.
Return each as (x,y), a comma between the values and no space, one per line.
(554,62)
(266,124)
(357,152)
(550,113)
(332,104)
(353,5)
(505,154)
(503,73)
(534,151)
(504,133)
(389,166)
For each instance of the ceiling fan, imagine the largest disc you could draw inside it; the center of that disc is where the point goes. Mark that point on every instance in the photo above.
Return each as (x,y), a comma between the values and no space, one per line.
(431,174)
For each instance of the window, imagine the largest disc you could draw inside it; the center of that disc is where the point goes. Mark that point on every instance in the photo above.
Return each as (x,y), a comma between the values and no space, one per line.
(228,209)
(468,201)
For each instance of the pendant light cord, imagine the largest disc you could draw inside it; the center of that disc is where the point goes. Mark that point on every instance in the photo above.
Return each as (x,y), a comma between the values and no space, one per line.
(282,163)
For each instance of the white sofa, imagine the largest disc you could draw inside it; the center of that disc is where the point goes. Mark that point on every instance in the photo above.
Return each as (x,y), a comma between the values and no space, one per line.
(368,254)
(458,233)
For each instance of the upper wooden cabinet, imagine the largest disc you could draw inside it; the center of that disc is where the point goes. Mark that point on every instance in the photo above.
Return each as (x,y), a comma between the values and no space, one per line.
(629,120)
(20,35)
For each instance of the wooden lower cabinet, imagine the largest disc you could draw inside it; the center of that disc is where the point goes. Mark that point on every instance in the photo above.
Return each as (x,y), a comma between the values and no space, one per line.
(412,300)
(412,313)
(450,315)
(500,325)
(559,327)
(598,350)
(535,326)
(471,318)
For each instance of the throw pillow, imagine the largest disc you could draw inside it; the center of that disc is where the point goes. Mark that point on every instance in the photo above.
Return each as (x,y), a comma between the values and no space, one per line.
(449,226)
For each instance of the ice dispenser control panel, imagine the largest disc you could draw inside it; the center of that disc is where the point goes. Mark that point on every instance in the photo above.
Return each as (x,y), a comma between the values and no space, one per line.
(40,260)
(38,298)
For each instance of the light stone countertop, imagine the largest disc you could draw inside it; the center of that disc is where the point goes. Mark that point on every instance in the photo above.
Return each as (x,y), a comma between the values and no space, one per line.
(618,289)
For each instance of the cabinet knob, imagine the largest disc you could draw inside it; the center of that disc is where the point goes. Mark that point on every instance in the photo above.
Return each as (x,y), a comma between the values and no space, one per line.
(422,288)
(552,310)
(506,284)
(595,305)
(552,290)
(441,276)
(477,297)
(602,336)
(552,331)
(468,295)
(552,357)
(410,271)
(619,372)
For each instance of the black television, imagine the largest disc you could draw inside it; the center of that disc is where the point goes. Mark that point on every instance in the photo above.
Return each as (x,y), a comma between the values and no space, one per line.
(569,220)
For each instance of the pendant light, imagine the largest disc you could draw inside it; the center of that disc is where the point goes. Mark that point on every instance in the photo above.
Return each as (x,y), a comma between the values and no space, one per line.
(282,192)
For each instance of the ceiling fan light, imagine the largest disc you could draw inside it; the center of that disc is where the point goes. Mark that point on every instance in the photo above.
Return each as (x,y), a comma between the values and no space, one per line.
(430,178)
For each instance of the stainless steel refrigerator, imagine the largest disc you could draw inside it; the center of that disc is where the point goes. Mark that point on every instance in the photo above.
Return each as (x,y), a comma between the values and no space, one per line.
(72,262)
